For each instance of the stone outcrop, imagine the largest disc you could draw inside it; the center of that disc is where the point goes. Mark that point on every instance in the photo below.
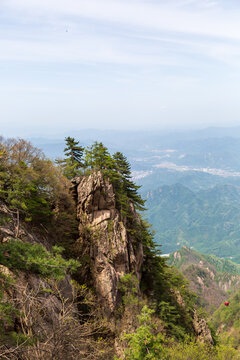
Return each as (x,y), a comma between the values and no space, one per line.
(104,237)
(108,248)
(112,250)
(201,329)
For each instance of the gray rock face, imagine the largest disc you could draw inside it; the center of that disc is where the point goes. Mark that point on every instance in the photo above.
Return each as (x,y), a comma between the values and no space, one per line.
(112,251)
(201,329)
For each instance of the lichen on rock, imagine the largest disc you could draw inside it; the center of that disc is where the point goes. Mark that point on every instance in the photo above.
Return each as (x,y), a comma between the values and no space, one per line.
(110,247)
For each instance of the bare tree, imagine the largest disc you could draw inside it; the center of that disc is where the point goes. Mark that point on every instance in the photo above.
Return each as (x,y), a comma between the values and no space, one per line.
(54,327)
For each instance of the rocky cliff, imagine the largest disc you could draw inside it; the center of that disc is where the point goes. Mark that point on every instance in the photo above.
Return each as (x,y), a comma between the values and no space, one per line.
(110,244)
(105,238)
(61,315)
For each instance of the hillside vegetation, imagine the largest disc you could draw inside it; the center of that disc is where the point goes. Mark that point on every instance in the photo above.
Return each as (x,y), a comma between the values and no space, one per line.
(226,320)
(210,277)
(54,268)
(207,220)
(185,256)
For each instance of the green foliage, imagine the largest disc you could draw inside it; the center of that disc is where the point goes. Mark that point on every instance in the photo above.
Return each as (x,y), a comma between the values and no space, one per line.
(110,226)
(170,315)
(208,275)
(123,183)
(37,192)
(190,256)
(169,290)
(207,220)
(190,349)
(18,255)
(226,321)
(97,157)
(117,169)
(72,163)
(22,192)
(73,150)
(128,285)
(29,183)
(145,343)
(223,265)
(64,227)
(17,339)
(228,316)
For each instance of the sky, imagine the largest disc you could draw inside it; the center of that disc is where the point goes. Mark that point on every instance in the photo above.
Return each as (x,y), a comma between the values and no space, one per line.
(118,64)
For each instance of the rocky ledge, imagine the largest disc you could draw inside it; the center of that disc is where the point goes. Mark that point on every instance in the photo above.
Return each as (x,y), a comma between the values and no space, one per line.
(112,251)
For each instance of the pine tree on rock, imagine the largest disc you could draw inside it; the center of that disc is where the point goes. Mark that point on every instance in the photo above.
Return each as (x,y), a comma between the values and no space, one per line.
(122,165)
(73,150)
(73,161)
(97,157)
(129,188)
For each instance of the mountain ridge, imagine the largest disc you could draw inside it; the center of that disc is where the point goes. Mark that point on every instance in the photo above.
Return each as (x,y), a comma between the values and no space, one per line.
(207,220)
(211,278)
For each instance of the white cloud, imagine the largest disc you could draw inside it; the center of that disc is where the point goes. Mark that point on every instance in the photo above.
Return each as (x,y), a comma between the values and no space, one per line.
(151,60)
(86,49)
(173,33)
(207,19)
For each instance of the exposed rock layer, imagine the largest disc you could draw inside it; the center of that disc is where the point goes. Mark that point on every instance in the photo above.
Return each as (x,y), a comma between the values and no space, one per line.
(113,251)
(201,329)
(106,241)
(206,281)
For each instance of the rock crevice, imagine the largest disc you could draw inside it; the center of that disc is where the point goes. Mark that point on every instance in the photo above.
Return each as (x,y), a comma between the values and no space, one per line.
(109,245)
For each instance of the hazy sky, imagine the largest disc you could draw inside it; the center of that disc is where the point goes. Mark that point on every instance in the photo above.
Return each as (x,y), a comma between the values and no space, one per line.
(119,64)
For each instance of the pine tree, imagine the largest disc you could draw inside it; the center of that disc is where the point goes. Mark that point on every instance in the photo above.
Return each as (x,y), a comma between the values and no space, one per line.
(123,167)
(73,150)
(97,157)
(73,160)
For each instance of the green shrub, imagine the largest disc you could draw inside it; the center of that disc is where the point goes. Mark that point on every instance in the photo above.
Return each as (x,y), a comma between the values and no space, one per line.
(145,343)
(148,343)
(18,255)
(128,285)
(194,350)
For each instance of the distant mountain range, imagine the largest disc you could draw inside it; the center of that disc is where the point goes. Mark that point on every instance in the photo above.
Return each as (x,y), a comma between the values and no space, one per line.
(197,159)
(207,220)
(213,147)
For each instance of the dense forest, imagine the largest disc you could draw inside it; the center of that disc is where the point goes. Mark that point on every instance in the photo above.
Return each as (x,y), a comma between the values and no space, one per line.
(50,304)
(207,220)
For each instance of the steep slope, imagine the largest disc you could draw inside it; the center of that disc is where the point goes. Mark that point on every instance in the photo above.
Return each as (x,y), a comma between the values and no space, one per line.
(105,241)
(81,304)
(226,321)
(121,265)
(40,313)
(112,262)
(211,278)
(208,221)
